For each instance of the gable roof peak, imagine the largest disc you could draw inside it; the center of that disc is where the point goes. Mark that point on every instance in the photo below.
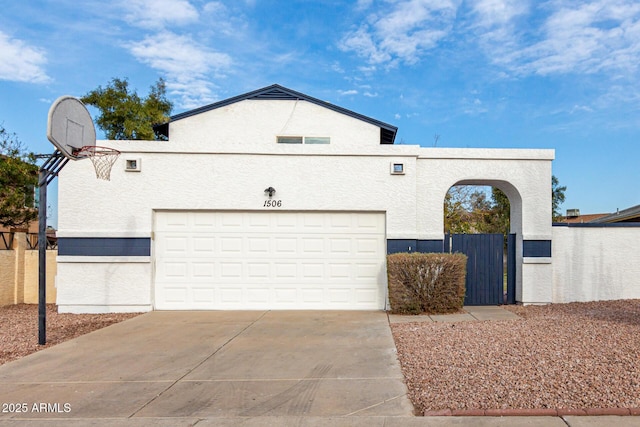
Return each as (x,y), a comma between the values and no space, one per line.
(277,92)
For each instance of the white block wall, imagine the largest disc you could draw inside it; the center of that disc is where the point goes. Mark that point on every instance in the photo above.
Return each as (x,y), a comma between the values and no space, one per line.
(594,264)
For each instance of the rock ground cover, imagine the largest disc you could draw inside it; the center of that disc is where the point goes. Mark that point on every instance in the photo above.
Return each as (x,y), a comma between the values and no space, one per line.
(577,355)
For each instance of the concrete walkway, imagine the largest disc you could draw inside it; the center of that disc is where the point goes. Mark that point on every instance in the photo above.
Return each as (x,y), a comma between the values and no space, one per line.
(469,314)
(230,368)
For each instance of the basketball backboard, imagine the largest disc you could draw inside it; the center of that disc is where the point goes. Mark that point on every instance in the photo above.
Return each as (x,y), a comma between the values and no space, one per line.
(70,126)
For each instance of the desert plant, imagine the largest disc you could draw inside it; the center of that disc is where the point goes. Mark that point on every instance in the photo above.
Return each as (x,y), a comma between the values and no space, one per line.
(431,283)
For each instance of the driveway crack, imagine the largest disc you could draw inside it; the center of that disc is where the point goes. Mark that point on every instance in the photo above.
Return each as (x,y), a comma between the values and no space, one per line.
(198,365)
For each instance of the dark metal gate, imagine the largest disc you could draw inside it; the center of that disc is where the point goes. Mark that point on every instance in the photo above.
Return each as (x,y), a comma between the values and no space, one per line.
(485,268)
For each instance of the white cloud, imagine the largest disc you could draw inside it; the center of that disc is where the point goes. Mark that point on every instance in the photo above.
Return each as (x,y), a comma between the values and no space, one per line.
(490,13)
(347,92)
(21,62)
(587,37)
(187,65)
(579,108)
(159,13)
(215,7)
(403,32)
(364,4)
(472,106)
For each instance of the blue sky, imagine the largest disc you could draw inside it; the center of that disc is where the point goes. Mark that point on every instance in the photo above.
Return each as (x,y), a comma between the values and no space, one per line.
(561,74)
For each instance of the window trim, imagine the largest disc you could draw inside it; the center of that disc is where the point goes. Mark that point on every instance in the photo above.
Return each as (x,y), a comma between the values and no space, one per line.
(318,140)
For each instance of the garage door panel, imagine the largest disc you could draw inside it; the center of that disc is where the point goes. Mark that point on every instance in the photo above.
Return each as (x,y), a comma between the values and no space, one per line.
(366,272)
(368,246)
(204,270)
(312,270)
(258,270)
(204,245)
(258,245)
(312,245)
(365,297)
(264,260)
(203,295)
(231,270)
(286,245)
(230,295)
(174,269)
(285,270)
(230,245)
(338,271)
(340,246)
(257,295)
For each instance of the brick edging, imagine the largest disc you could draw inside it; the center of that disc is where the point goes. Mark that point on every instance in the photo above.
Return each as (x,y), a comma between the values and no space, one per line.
(559,412)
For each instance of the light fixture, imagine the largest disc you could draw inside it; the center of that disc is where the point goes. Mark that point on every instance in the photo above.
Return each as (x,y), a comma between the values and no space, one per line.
(271,191)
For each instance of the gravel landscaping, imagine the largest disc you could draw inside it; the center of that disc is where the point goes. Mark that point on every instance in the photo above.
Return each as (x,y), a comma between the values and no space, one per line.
(559,356)
(569,356)
(19,328)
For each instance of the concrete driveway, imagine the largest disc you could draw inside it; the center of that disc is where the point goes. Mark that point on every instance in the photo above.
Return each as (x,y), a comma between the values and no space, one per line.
(195,365)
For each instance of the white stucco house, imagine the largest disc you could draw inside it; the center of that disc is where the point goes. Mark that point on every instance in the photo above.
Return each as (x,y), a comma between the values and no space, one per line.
(277,200)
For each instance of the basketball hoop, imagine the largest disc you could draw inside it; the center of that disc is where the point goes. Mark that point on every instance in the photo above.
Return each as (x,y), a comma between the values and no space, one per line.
(102,158)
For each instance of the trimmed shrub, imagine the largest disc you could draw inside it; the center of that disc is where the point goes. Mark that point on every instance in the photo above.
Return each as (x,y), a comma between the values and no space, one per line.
(431,283)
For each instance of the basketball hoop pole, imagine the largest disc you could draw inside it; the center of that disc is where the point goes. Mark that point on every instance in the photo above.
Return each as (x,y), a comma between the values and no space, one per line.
(48,171)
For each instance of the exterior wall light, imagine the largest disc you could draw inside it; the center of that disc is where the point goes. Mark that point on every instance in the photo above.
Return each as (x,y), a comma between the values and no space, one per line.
(271,191)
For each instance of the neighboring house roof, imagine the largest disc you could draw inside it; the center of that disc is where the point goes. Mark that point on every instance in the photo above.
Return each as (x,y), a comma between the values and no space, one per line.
(583,218)
(627,215)
(277,92)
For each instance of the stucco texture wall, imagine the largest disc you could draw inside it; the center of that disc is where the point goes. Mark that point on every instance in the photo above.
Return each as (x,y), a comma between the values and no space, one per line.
(593,264)
(216,161)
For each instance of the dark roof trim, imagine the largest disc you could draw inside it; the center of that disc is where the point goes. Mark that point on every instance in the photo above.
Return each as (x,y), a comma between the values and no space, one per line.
(630,213)
(277,92)
(597,225)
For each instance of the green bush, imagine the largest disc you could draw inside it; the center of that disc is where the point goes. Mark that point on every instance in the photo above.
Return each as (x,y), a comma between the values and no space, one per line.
(431,283)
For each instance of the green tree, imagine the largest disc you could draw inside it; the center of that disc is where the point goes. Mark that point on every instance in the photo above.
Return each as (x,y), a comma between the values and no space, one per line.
(467,210)
(124,115)
(18,180)
(500,212)
(557,198)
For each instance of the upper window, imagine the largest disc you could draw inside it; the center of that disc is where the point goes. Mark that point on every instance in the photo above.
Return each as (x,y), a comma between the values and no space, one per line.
(317,140)
(289,140)
(305,140)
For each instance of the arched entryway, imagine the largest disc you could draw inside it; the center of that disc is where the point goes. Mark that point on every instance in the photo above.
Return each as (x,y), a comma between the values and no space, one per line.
(477,223)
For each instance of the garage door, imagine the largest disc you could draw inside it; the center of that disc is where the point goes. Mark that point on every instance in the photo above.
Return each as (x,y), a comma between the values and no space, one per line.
(269,260)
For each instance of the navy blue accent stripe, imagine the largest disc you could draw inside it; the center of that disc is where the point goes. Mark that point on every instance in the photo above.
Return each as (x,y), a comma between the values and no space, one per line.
(395,246)
(104,246)
(431,246)
(412,245)
(536,248)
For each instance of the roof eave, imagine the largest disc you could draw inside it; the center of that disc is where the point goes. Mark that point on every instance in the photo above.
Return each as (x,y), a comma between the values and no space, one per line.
(275,91)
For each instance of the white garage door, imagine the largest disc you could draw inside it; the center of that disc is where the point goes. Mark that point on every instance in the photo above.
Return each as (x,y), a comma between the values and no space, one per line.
(269,260)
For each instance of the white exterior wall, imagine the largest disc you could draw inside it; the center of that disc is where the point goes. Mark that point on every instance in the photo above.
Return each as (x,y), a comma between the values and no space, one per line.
(215,161)
(523,175)
(595,263)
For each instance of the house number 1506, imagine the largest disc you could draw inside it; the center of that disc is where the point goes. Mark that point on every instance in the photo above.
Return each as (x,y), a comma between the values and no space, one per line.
(272,204)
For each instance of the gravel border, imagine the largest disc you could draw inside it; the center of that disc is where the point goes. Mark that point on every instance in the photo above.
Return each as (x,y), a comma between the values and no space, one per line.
(19,328)
(559,357)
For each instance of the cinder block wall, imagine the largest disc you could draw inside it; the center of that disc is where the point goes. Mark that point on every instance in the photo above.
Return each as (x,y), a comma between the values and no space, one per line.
(7,277)
(19,274)
(31,277)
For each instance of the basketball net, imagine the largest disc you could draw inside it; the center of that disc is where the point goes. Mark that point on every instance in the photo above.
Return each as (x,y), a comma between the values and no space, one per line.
(102,158)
